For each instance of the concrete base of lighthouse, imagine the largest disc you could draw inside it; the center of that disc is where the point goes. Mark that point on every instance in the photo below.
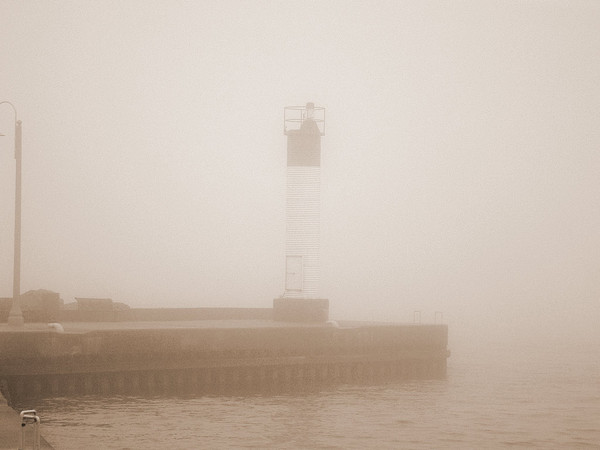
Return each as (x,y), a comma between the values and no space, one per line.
(314,310)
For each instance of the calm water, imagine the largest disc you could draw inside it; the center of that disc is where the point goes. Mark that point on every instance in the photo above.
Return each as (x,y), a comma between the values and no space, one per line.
(534,396)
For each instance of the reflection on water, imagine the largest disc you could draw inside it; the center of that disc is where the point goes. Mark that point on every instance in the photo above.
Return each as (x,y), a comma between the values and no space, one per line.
(526,398)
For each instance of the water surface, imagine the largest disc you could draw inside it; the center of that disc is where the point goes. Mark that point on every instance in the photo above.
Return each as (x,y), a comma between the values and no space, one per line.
(495,396)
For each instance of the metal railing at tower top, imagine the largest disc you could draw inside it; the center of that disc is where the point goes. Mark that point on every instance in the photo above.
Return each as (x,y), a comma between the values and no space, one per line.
(295,116)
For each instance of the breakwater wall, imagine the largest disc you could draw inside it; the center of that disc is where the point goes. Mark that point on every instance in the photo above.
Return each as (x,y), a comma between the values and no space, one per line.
(162,314)
(214,357)
(99,312)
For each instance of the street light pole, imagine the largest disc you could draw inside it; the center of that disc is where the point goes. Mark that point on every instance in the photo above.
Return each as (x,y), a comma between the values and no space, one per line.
(15,316)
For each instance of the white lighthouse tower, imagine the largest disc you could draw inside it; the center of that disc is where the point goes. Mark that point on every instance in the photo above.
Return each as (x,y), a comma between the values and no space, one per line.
(304,126)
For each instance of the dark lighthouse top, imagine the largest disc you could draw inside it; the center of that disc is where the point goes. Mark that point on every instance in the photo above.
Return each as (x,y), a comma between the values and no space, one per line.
(304,127)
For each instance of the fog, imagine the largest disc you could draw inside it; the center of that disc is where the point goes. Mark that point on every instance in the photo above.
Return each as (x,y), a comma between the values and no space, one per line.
(459,168)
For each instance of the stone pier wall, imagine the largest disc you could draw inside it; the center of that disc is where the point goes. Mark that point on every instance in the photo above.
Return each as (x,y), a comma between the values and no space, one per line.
(199,360)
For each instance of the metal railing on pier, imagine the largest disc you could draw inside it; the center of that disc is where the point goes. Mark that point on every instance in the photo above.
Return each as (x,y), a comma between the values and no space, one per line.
(30,417)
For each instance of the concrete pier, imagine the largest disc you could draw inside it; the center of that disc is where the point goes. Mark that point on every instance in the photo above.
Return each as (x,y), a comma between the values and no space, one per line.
(212,356)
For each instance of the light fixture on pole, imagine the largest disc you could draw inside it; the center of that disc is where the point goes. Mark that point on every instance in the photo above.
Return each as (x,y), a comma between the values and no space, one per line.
(15,316)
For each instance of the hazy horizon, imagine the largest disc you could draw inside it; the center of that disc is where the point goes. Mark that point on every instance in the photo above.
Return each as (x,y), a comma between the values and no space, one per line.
(459,169)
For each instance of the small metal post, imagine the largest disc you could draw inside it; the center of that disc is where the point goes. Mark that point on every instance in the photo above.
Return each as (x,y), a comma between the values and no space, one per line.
(417,317)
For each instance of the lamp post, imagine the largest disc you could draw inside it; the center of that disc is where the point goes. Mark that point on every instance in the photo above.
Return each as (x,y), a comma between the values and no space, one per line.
(15,316)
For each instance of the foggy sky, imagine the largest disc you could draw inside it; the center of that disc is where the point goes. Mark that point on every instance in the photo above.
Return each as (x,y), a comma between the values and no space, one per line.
(459,170)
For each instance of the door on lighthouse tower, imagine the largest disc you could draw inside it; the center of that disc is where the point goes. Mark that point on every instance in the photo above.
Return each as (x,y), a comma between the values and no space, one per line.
(293,273)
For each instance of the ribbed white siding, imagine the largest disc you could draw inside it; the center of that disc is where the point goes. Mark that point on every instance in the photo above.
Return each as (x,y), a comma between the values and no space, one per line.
(303,204)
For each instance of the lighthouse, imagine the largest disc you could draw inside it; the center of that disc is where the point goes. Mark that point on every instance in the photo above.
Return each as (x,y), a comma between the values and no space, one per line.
(303,126)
